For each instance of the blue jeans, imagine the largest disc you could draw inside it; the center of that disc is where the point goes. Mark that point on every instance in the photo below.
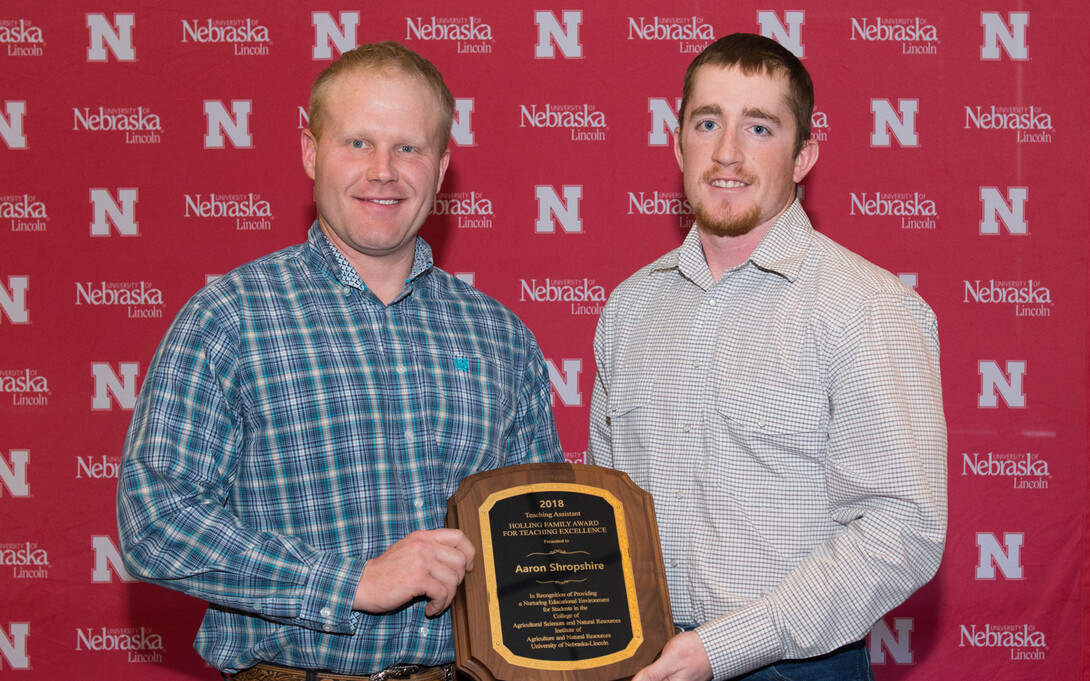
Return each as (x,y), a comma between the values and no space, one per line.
(850,663)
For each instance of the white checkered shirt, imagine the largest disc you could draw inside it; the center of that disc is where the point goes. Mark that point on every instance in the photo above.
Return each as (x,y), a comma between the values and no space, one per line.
(788,421)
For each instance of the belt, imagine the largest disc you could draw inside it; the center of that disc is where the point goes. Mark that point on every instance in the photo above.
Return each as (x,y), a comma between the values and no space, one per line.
(266,671)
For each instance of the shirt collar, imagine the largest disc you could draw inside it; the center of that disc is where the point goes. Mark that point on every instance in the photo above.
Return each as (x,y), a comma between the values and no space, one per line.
(782,250)
(340,268)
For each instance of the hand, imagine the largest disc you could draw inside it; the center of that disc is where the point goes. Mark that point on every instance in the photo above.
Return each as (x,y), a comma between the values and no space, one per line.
(429,563)
(683,658)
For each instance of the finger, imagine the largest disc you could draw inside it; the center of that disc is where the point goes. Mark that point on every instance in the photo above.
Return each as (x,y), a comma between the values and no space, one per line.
(453,556)
(458,540)
(440,595)
(451,559)
(649,673)
(442,581)
(448,577)
(437,605)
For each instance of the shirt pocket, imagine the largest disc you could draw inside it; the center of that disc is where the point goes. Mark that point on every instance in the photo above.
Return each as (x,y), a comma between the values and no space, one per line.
(473,402)
(636,435)
(776,422)
(767,452)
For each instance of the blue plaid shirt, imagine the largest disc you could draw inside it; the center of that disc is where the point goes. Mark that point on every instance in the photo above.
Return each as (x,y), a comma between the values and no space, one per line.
(291,427)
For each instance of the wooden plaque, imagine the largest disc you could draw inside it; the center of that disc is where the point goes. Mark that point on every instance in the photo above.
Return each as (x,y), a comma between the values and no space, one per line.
(568,581)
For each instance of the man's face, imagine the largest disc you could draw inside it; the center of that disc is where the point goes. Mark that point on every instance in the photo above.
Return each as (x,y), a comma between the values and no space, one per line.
(735,148)
(378,164)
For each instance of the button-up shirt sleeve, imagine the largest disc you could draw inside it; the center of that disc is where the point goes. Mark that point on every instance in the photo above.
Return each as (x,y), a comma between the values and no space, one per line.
(885,479)
(599,442)
(182,458)
(533,435)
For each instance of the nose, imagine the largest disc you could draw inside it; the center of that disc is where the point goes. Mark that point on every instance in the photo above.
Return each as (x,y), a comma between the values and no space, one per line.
(728,148)
(380,167)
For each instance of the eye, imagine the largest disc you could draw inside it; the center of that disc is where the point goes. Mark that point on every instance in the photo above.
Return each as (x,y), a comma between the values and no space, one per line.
(705,125)
(407,148)
(357,144)
(760,130)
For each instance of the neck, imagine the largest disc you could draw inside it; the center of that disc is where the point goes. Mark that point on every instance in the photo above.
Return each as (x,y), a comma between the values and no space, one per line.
(386,279)
(385,276)
(724,252)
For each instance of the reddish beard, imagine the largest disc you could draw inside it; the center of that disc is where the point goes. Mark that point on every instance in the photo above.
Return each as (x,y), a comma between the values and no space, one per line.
(726,223)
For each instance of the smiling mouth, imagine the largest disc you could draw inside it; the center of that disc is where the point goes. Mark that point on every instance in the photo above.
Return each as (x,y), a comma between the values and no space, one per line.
(383,202)
(728,184)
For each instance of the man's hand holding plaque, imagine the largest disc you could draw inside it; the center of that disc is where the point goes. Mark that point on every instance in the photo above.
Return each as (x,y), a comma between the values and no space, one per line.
(569,579)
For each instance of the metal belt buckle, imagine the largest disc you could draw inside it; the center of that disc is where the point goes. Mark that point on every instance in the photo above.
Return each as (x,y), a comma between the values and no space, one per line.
(396,671)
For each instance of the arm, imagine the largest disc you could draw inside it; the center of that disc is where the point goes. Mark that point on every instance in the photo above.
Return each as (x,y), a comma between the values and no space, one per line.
(532,437)
(683,657)
(885,478)
(599,441)
(181,468)
(178,472)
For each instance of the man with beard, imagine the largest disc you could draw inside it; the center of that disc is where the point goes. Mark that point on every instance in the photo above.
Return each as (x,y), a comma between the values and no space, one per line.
(777,394)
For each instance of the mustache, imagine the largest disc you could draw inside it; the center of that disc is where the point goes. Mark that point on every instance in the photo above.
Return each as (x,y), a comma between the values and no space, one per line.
(713,173)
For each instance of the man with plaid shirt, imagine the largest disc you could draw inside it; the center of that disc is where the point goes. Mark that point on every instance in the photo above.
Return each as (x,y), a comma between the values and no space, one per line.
(308,414)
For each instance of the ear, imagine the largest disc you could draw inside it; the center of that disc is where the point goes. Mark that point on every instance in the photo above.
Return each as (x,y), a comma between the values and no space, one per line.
(806,159)
(310,150)
(677,148)
(444,161)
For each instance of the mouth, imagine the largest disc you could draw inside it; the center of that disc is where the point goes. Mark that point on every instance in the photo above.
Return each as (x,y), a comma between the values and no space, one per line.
(381,202)
(715,177)
(728,184)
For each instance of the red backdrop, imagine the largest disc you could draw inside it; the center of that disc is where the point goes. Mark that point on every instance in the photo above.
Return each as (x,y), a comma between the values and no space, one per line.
(145,147)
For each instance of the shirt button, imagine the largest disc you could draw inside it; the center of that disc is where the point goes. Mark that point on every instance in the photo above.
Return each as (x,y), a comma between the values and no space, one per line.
(400,368)
(347,291)
(327,628)
(686,428)
(419,503)
(423,631)
(325,612)
(409,435)
(680,494)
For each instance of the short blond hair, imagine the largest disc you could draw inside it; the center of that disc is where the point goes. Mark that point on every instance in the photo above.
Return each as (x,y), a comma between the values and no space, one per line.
(384,55)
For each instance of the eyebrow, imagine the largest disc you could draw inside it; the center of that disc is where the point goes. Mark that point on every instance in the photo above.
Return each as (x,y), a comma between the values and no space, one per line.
(748,112)
(753,112)
(705,110)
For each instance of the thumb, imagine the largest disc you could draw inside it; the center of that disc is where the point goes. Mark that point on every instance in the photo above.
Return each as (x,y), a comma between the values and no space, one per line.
(653,672)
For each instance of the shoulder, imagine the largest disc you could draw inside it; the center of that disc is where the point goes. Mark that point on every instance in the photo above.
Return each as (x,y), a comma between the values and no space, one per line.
(848,288)
(488,320)
(274,269)
(645,281)
(450,290)
(843,275)
(224,298)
